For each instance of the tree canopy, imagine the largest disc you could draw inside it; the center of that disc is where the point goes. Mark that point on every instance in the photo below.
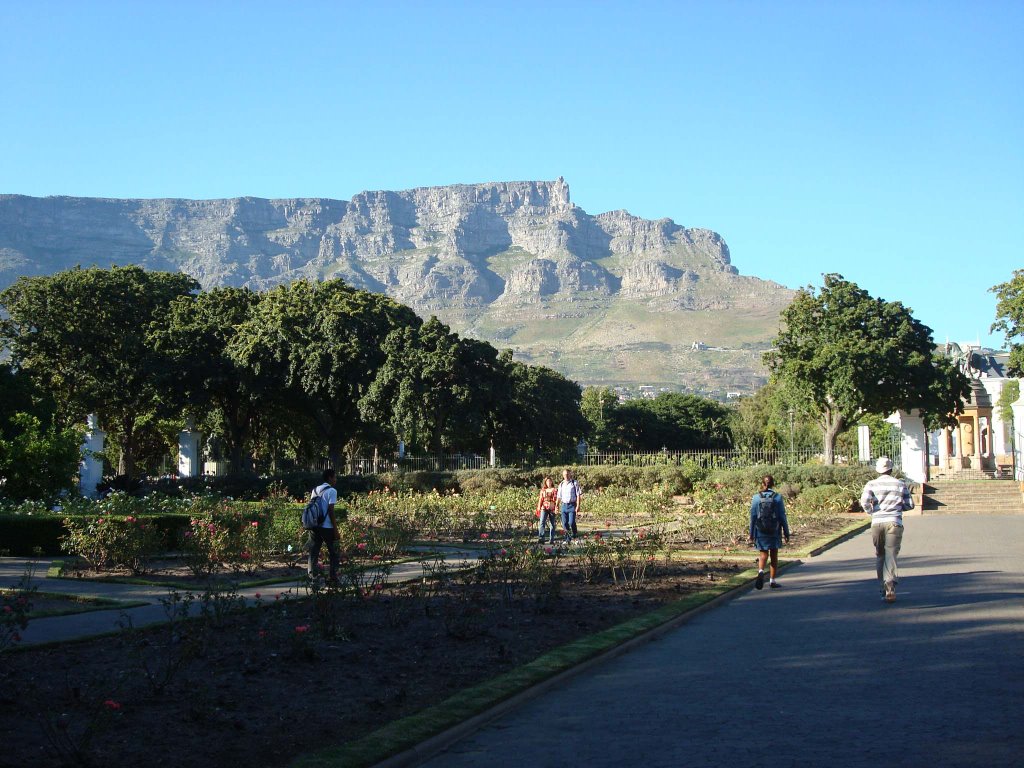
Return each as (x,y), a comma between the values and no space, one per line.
(433,389)
(847,354)
(195,333)
(671,420)
(1010,318)
(81,336)
(319,346)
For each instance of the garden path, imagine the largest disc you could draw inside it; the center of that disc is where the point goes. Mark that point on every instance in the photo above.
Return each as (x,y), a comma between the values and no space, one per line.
(819,672)
(79,625)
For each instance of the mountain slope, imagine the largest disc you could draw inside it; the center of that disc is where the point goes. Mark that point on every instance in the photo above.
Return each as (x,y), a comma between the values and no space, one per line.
(607,298)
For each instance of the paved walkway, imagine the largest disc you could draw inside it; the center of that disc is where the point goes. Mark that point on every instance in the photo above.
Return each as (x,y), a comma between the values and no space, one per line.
(818,673)
(59,628)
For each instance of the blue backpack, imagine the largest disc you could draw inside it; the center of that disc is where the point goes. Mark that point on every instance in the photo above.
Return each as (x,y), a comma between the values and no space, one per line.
(314,513)
(767,520)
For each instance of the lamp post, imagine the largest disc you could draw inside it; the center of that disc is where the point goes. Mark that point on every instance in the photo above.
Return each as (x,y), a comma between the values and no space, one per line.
(792,413)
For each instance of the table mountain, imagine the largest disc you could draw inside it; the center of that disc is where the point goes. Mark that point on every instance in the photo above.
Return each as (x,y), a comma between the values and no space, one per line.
(606,298)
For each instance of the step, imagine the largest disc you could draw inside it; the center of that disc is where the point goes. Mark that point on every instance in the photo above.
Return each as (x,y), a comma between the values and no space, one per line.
(972,496)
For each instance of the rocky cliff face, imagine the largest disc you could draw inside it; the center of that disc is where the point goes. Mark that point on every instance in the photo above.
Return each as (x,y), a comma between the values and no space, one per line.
(478,255)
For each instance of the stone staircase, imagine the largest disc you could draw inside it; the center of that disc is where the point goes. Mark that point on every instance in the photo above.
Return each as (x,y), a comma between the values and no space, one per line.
(983,497)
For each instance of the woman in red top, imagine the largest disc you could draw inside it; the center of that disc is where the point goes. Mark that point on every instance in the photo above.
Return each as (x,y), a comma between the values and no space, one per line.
(546,505)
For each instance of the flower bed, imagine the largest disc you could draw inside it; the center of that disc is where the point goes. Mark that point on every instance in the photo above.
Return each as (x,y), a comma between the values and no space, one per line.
(238,680)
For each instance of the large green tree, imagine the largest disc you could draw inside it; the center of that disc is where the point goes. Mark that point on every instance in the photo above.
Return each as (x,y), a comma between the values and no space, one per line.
(675,421)
(542,415)
(211,386)
(847,354)
(773,419)
(38,457)
(81,336)
(599,405)
(1010,318)
(434,390)
(320,345)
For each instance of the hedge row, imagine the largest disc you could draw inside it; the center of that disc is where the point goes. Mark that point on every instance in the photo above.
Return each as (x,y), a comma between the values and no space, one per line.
(25,535)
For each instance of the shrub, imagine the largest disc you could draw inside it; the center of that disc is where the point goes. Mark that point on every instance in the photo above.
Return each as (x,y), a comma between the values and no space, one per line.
(492,480)
(38,463)
(416,480)
(803,476)
(238,535)
(29,528)
(15,606)
(829,499)
(127,541)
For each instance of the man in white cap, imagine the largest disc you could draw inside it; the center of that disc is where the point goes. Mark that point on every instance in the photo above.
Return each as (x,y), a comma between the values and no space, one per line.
(886,498)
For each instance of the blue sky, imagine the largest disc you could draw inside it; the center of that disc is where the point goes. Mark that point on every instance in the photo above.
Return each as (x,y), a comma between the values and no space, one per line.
(880,140)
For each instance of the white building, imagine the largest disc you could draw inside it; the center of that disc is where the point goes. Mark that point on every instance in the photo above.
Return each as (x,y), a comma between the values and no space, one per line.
(982,444)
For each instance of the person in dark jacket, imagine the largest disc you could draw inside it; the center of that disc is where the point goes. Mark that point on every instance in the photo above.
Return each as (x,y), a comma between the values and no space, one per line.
(763,534)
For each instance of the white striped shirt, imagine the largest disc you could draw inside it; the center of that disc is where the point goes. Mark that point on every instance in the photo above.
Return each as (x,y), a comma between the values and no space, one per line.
(886,498)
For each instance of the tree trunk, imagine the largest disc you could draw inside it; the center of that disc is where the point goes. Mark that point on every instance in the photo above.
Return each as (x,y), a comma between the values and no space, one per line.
(126,461)
(831,426)
(238,434)
(335,452)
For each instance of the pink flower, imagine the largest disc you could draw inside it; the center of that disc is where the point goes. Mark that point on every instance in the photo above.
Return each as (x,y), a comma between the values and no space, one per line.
(257,595)
(254,524)
(188,534)
(485,535)
(112,705)
(503,552)
(245,556)
(211,527)
(302,629)
(598,536)
(377,558)
(378,587)
(548,550)
(361,546)
(129,519)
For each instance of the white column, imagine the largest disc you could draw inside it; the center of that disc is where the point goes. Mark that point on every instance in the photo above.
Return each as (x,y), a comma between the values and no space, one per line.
(913,445)
(189,458)
(492,456)
(864,443)
(1018,437)
(90,471)
(944,439)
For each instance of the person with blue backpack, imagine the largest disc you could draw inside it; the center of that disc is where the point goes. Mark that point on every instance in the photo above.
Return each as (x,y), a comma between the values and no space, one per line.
(768,524)
(319,520)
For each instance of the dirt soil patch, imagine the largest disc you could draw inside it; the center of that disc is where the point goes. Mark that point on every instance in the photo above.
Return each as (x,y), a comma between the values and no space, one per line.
(250,688)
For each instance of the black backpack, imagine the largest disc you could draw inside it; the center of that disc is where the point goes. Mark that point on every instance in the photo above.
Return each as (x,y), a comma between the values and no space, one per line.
(767,520)
(314,513)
